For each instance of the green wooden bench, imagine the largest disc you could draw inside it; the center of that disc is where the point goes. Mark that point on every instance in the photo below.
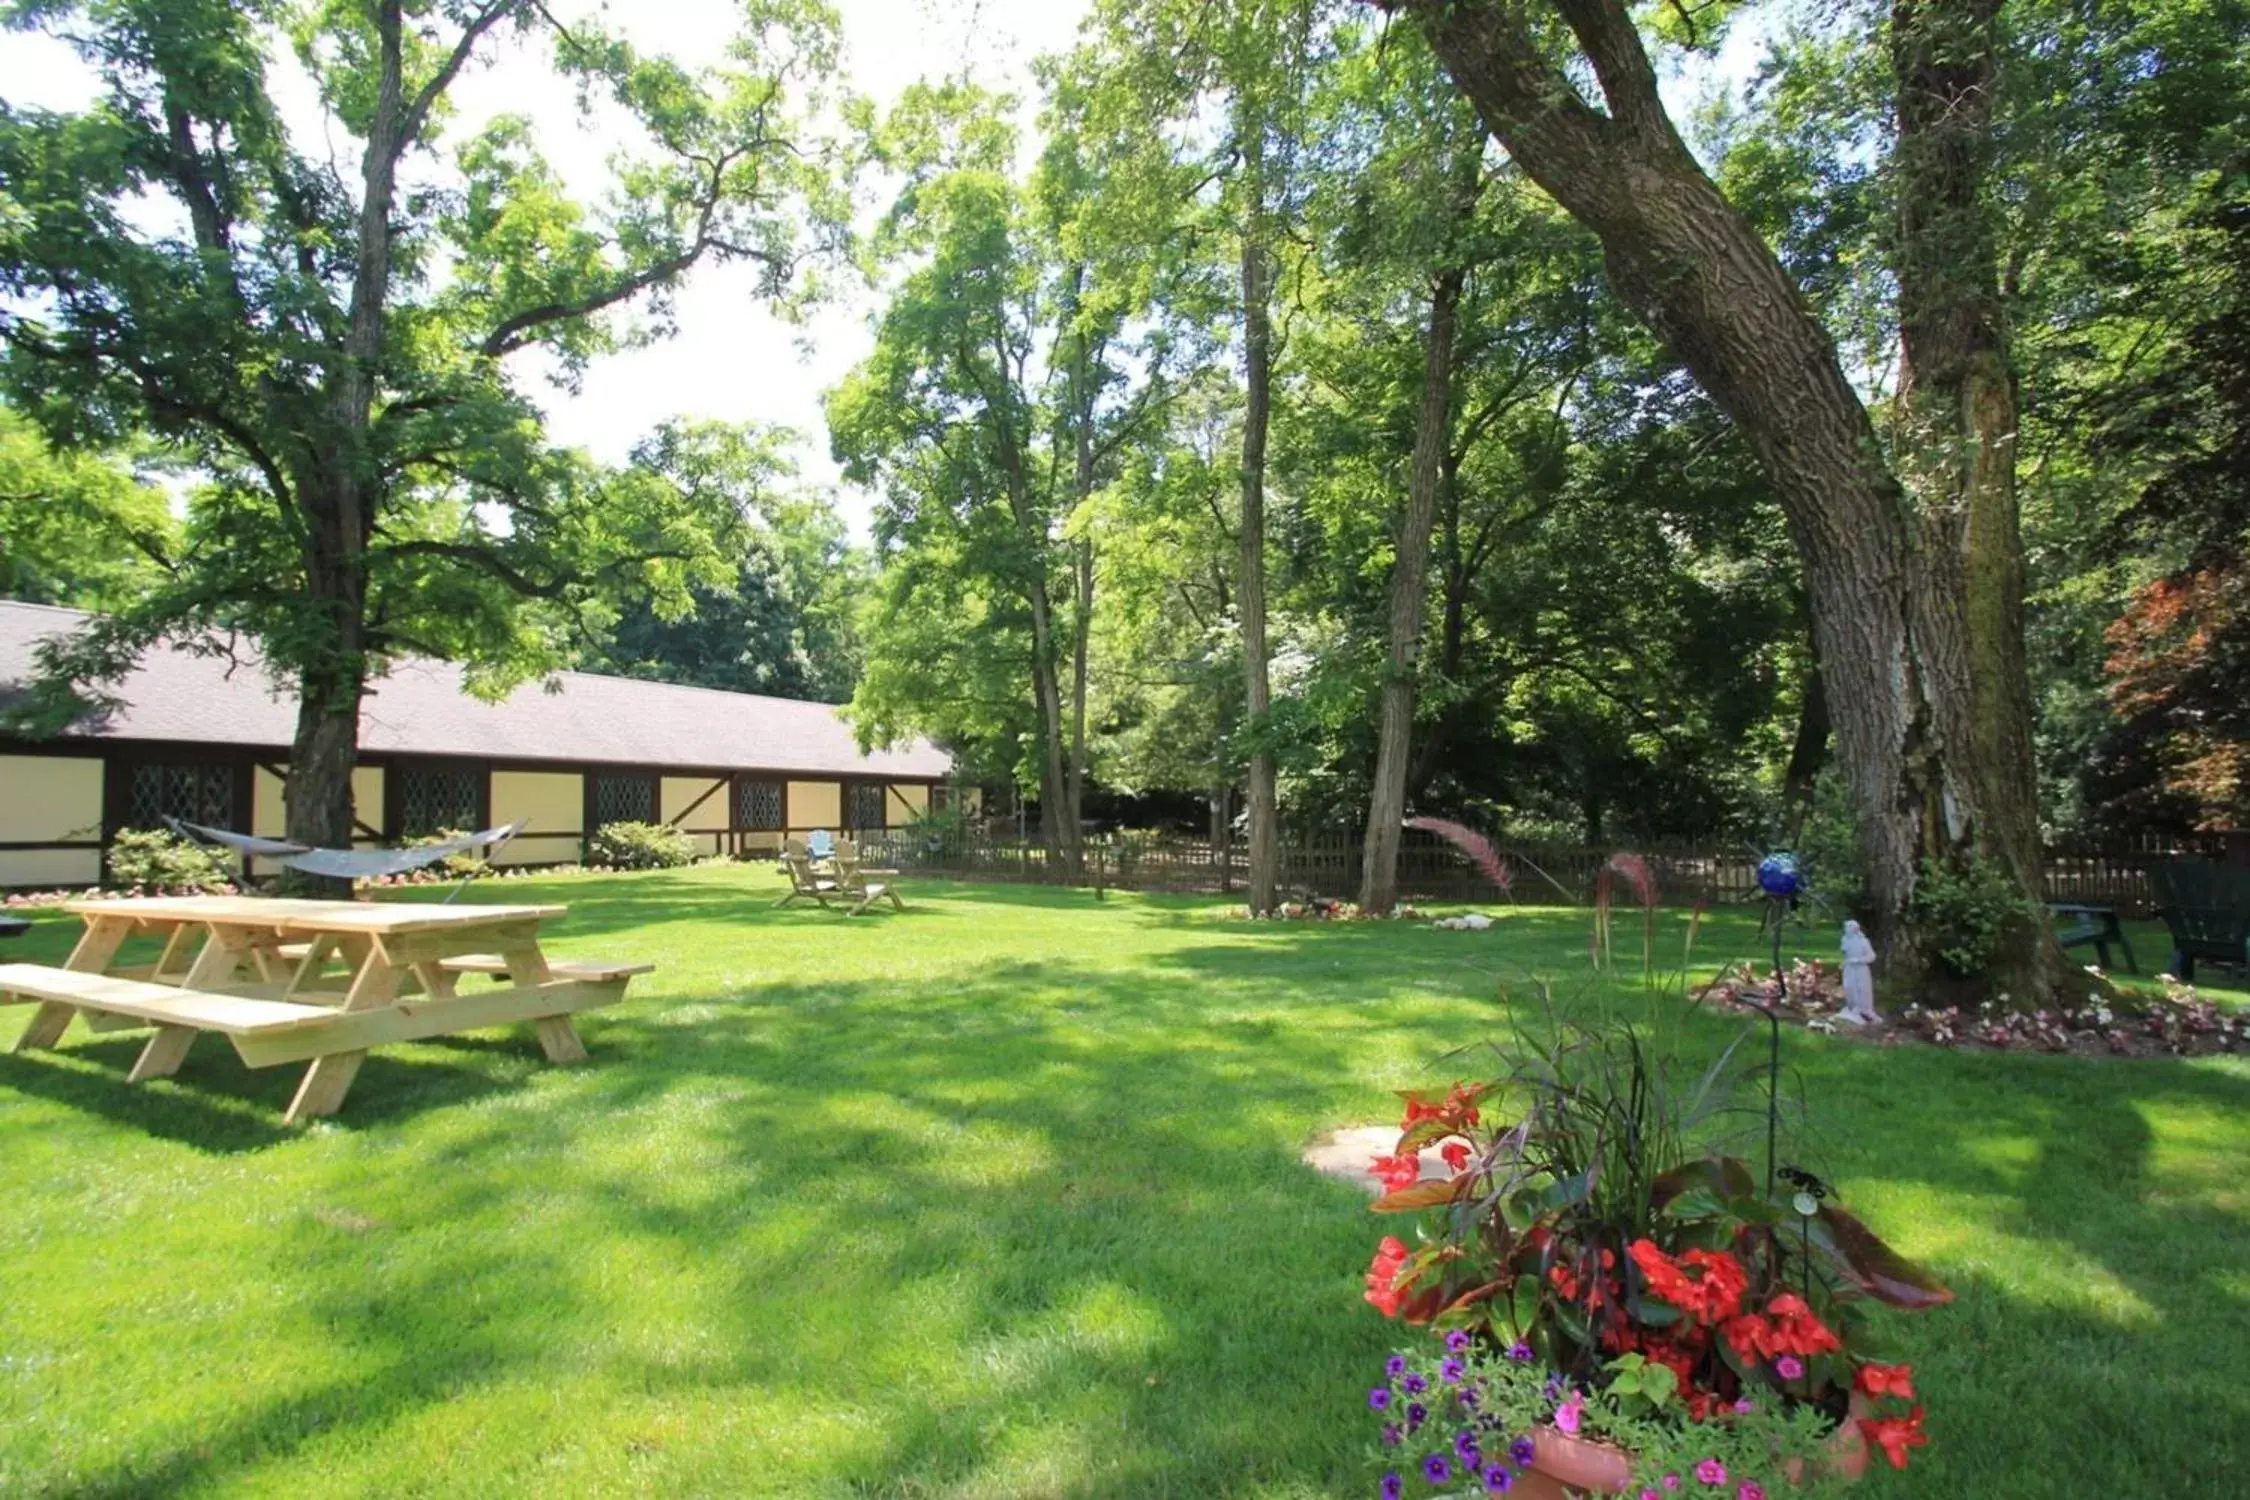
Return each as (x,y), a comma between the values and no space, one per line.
(2207,908)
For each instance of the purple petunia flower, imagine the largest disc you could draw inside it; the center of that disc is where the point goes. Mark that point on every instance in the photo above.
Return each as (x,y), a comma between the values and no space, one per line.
(1415,1384)
(1451,1371)
(1416,1415)
(1437,1468)
(1522,1451)
(1789,1367)
(1467,1396)
(1465,1444)
(1393,1487)
(1520,1352)
(1395,1366)
(1391,1434)
(1379,1398)
(1497,1480)
(1457,1342)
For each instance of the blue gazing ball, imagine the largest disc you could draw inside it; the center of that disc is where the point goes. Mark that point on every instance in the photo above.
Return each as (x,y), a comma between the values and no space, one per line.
(1779,877)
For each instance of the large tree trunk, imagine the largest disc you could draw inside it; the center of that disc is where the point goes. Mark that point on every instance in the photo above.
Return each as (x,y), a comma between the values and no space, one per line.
(317,791)
(1688,263)
(336,492)
(1056,828)
(1956,441)
(1386,803)
(1250,589)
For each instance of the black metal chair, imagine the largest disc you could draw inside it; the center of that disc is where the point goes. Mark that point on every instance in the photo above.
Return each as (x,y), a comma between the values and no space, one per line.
(2207,908)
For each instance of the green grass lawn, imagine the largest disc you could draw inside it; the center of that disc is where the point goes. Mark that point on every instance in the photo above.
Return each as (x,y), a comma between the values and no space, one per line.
(996,1197)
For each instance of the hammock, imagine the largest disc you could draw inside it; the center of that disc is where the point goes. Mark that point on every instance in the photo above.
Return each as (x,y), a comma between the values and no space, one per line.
(346,864)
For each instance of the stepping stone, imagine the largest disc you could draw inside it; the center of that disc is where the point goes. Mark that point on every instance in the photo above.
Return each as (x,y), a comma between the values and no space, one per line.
(1346,1154)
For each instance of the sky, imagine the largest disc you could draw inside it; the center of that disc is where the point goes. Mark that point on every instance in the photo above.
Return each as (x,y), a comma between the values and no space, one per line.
(729,360)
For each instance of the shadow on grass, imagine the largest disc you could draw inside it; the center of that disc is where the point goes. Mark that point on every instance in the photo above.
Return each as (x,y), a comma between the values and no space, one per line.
(1039,1226)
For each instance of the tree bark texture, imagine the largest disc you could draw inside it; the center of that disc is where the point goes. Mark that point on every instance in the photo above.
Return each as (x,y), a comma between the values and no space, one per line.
(1887,616)
(1250,588)
(1956,441)
(1386,805)
(335,491)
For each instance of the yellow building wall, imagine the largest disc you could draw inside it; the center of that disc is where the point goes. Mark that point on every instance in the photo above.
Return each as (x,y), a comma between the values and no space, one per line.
(816,804)
(269,810)
(49,798)
(905,804)
(676,794)
(554,802)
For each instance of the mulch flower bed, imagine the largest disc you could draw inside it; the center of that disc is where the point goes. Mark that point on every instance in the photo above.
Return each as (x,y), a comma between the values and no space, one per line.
(2178,1023)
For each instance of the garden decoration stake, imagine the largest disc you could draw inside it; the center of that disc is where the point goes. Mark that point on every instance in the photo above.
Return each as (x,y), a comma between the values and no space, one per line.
(1859,977)
(1783,881)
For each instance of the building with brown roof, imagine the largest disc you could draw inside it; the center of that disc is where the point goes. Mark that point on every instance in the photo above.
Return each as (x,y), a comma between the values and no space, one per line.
(207,739)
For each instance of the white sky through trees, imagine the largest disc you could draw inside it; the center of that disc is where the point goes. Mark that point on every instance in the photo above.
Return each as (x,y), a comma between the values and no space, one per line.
(730,360)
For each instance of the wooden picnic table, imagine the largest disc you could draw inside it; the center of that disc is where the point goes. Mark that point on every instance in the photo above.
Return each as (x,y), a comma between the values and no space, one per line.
(318,982)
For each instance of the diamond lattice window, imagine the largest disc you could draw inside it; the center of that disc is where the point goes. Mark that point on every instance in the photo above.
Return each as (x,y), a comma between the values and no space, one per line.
(624,799)
(197,794)
(867,807)
(436,799)
(757,805)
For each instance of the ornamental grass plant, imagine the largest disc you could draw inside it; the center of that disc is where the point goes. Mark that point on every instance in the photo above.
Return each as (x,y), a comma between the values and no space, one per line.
(1601,1267)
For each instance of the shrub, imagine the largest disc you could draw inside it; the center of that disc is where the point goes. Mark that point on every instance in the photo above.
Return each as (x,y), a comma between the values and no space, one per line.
(639,846)
(462,866)
(1828,847)
(154,859)
(1965,910)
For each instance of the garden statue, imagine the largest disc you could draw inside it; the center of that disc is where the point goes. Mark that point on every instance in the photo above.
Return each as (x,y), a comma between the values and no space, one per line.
(1859,977)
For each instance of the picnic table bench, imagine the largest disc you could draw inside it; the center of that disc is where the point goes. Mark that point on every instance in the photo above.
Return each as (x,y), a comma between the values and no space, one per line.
(318,982)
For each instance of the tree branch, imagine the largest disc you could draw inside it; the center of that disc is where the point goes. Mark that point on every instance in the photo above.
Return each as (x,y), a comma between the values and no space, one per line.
(425,99)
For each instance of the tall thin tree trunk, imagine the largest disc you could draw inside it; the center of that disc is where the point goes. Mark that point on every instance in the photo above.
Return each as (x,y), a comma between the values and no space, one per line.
(1887,623)
(1807,754)
(1250,588)
(1386,804)
(1079,674)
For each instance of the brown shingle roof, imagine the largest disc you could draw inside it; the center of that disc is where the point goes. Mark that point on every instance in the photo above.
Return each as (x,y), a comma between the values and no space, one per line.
(421,709)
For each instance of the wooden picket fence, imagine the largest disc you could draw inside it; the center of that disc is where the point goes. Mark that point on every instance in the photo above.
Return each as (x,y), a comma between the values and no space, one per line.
(2114,873)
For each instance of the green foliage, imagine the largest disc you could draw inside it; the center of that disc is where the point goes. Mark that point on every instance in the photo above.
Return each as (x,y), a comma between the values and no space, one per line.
(79,529)
(787,622)
(461,866)
(156,859)
(1964,910)
(640,846)
(330,345)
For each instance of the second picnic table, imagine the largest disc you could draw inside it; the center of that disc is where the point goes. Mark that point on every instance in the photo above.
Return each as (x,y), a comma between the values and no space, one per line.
(318,982)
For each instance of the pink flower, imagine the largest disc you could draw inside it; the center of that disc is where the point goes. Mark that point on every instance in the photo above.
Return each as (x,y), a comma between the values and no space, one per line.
(1671,1481)
(1744,1407)
(1566,1415)
(1711,1471)
(1751,1490)
(1789,1367)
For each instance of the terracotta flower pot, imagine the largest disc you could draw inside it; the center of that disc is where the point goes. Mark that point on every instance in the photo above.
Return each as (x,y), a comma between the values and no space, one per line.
(1565,1467)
